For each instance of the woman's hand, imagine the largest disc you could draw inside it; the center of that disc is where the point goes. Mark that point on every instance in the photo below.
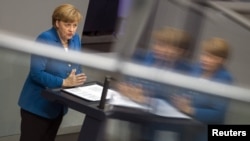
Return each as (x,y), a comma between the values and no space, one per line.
(74,80)
(183,103)
(135,93)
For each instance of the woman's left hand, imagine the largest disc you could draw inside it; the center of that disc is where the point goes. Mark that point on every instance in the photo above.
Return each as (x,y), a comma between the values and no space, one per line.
(183,103)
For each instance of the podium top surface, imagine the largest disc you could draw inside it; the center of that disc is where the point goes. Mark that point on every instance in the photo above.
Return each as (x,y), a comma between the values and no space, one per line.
(91,109)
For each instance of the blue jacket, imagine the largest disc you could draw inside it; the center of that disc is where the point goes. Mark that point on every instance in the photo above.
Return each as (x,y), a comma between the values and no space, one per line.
(47,73)
(156,89)
(149,59)
(211,109)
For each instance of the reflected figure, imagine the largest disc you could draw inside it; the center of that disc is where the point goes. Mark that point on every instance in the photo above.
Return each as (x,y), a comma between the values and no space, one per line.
(41,118)
(207,108)
(203,107)
(169,52)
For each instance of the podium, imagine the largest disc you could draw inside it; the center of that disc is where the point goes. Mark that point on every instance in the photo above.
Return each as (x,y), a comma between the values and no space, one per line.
(96,115)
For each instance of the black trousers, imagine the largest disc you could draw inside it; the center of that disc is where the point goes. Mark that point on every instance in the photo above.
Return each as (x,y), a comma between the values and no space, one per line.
(36,128)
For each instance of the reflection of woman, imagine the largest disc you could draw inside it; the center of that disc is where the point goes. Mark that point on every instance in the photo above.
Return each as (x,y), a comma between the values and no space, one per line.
(206,108)
(168,52)
(214,54)
(41,118)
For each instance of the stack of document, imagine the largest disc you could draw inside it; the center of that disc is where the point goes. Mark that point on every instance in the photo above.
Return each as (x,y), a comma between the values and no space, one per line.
(155,106)
(90,92)
(119,100)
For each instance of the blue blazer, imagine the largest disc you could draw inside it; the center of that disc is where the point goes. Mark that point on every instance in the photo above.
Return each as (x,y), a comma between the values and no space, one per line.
(47,73)
(149,59)
(211,109)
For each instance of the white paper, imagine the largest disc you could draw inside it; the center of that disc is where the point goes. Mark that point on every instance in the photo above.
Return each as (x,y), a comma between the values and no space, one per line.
(91,92)
(119,100)
(155,106)
(163,108)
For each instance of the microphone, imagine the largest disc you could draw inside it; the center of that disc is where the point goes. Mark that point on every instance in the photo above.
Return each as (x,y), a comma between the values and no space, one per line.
(104,92)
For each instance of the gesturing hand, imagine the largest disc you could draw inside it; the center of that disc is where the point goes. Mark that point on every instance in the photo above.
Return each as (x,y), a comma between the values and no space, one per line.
(74,80)
(183,103)
(135,93)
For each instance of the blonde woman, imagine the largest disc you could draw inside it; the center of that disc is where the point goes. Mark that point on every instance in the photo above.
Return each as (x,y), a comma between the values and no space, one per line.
(204,107)
(40,118)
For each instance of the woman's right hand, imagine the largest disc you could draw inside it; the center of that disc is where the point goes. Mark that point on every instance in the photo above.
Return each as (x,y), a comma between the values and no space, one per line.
(135,93)
(183,103)
(74,80)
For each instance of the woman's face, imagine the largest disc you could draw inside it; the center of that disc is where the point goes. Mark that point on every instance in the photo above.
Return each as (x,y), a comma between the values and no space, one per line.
(159,50)
(173,53)
(66,30)
(167,52)
(210,62)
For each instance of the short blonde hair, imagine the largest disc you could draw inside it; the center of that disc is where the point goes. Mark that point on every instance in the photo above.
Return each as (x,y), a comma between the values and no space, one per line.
(66,13)
(172,36)
(216,46)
